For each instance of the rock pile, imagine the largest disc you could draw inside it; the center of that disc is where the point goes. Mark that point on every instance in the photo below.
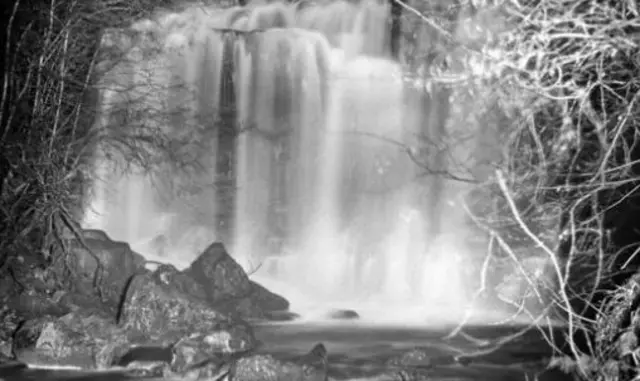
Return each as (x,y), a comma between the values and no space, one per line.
(102,308)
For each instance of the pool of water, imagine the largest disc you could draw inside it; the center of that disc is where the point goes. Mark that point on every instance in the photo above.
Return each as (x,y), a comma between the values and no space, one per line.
(359,351)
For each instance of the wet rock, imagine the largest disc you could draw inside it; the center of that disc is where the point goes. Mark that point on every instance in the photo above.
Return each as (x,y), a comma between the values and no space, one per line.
(10,320)
(92,342)
(88,304)
(7,284)
(421,358)
(172,277)
(211,370)
(267,368)
(414,357)
(220,343)
(266,300)
(221,276)
(137,356)
(30,304)
(9,367)
(26,274)
(316,358)
(96,234)
(110,350)
(240,308)
(5,350)
(343,315)
(73,339)
(148,369)
(216,278)
(310,367)
(101,264)
(151,307)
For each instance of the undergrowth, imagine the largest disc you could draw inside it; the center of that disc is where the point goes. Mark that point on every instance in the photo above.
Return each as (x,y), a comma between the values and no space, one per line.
(556,82)
(53,54)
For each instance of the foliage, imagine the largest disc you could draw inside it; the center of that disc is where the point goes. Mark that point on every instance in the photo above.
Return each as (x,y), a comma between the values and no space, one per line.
(52,57)
(556,82)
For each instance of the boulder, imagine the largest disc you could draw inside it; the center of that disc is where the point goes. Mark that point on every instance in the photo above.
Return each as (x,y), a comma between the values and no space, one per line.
(142,354)
(421,358)
(76,339)
(226,286)
(222,342)
(343,315)
(76,301)
(9,320)
(172,277)
(30,304)
(94,342)
(240,308)
(221,276)
(9,367)
(26,274)
(266,300)
(151,307)
(98,263)
(5,350)
(96,234)
(310,367)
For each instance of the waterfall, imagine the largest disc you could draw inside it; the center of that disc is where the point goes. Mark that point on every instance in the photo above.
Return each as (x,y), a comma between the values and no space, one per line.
(295,138)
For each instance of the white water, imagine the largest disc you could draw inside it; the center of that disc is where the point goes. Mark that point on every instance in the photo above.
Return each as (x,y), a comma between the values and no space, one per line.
(327,198)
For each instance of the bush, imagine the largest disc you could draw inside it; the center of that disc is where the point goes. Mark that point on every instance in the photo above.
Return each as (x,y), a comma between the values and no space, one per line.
(52,58)
(556,83)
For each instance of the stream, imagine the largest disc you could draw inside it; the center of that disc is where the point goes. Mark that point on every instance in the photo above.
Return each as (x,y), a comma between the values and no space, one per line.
(359,352)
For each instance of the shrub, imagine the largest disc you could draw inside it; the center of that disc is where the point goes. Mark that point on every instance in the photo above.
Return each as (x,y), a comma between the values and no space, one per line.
(556,83)
(52,58)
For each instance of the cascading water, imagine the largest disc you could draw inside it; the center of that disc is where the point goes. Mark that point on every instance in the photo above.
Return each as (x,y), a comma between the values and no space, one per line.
(325,193)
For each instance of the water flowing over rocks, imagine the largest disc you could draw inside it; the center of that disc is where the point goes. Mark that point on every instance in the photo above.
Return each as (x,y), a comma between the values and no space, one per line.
(272,104)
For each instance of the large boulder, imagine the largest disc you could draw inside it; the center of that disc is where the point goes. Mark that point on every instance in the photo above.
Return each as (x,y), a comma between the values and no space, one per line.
(99,267)
(95,342)
(151,307)
(227,287)
(77,339)
(310,367)
(29,304)
(221,276)
(241,308)
(221,341)
(180,281)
